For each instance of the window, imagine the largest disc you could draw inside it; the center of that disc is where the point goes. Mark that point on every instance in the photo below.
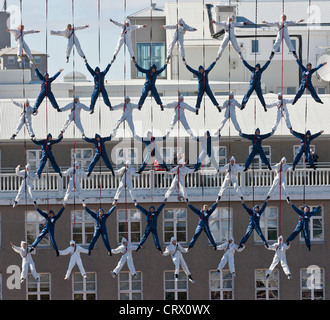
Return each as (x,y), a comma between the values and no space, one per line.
(175,224)
(301,161)
(11,60)
(143,56)
(129,225)
(268,224)
(175,290)
(39,290)
(312,283)
(254,46)
(84,289)
(221,223)
(266,289)
(257,163)
(279,48)
(291,90)
(33,157)
(321,90)
(129,288)
(37,59)
(124,154)
(82,226)
(34,224)
(315,226)
(294,44)
(221,285)
(169,154)
(84,156)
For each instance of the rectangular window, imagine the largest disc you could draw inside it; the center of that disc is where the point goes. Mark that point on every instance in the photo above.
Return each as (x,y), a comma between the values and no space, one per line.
(129,225)
(312,283)
(130,288)
(221,286)
(321,90)
(143,56)
(316,223)
(37,59)
(294,44)
(266,289)
(124,154)
(257,163)
(175,224)
(84,289)
(33,157)
(254,46)
(11,60)
(34,225)
(291,90)
(301,161)
(221,224)
(268,224)
(82,227)
(84,156)
(39,290)
(175,289)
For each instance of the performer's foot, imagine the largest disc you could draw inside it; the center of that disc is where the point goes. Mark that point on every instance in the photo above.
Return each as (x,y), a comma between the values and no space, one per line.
(288,200)
(15,204)
(139,107)
(243,106)
(245,169)
(89,173)
(191,279)
(295,54)
(92,111)
(265,108)
(67,59)
(13,137)
(271,55)
(267,276)
(161,108)
(219,109)
(197,111)
(289,276)
(57,253)
(266,244)
(217,272)
(113,274)
(58,110)
(138,248)
(269,167)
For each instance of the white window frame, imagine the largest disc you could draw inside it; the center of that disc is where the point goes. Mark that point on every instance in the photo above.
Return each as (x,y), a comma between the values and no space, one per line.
(220,279)
(38,293)
(175,220)
(265,224)
(301,161)
(34,163)
(129,219)
(120,160)
(84,162)
(172,150)
(267,283)
(312,220)
(84,292)
(218,219)
(85,219)
(130,291)
(260,164)
(38,223)
(304,275)
(182,277)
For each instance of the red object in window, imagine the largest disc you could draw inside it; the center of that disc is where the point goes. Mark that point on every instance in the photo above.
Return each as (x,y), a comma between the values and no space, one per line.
(157,166)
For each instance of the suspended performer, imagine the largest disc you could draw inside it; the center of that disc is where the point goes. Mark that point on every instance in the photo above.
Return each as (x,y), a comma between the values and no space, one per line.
(152,150)
(254,222)
(19,34)
(125,249)
(282,111)
(304,147)
(99,87)
(70,33)
(151,217)
(25,119)
(175,250)
(203,224)
(49,228)
(100,151)
(75,107)
(280,256)
(256,139)
(179,114)
(282,33)
(74,251)
(203,84)
(100,228)
(27,261)
(180,172)
(231,169)
(230,112)
(281,169)
(230,249)
(126,37)
(306,81)
(207,150)
(26,184)
(303,223)
(180,29)
(127,114)
(255,83)
(47,153)
(126,174)
(150,84)
(229,27)
(46,89)
(76,174)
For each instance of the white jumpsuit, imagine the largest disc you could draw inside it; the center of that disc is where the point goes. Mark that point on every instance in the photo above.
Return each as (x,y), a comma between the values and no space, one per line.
(282,32)
(179,115)
(25,118)
(229,35)
(21,44)
(281,170)
(126,252)
(230,112)
(231,177)
(74,183)
(230,249)
(125,37)
(126,181)
(280,255)
(74,115)
(127,115)
(178,37)
(72,39)
(175,251)
(27,261)
(179,180)
(75,258)
(282,111)
(26,184)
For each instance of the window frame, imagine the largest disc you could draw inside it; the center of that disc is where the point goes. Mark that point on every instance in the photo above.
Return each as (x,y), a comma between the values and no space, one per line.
(83,162)
(218,216)
(120,160)
(38,226)
(264,228)
(267,289)
(129,220)
(175,220)
(176,290)
(36,160)
(221,288)
(310,226)
(312,290)
(130,290)
(84,292)
(83,222)
(38,292)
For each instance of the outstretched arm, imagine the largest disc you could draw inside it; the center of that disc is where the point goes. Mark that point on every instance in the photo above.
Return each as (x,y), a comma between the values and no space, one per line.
(316,135)
(59,213)
(141,69)
(92,213)
(247,136)
(105,71)
(195,72)
(248,66)
(91,71)
(297,134)
(159,71)
(265,66)
(302,68)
